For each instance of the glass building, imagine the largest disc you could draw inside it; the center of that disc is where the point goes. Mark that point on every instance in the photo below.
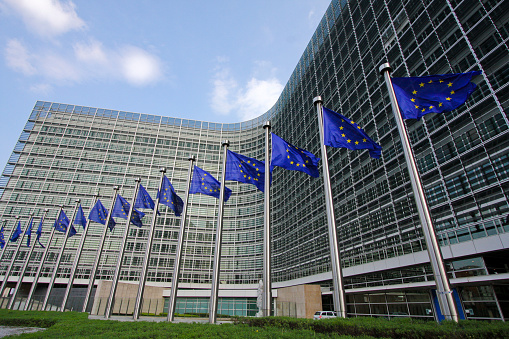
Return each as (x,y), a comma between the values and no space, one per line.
(67,152)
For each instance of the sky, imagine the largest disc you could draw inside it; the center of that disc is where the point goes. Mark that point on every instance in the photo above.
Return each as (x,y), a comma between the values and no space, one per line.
(219,61)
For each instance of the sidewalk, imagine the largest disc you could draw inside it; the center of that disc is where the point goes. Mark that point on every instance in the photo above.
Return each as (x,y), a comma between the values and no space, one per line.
(11,330)
(159,319)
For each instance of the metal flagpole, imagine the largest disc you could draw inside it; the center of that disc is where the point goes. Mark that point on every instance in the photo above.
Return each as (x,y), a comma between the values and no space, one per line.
(93,272)
(337,274)
(25,265)
(13,259)
(217,251)
(267,283)
(39,269)
(114,283)
(180,242)
(59,258)
(76,260)
(444,292)
(148,250)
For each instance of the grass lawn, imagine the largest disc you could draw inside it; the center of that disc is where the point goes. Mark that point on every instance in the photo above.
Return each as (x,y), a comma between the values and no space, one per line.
(77,325)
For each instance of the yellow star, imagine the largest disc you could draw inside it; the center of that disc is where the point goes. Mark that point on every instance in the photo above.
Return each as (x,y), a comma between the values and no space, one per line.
(448,99)
(348,140)
(421,84)
(341,128)
(351,122)
(430,82)
(414,92)
(298,164)
(423,109)
(356,142)
(364,140)
(439,104)
(431,107)
(343,135)
(288,156)
(412,100)
(449,84)
(358,127)
(291,162)
(441,81)
(303,165)
(452,92)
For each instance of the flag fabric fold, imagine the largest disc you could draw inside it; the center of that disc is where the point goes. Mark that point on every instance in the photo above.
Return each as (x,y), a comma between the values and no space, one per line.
(203,182)
(144,200)
(62,223)
(80,218)
(418,96)
(121,210)
(15,235)
(168,197)
(2,238)
(287,156)
(99,213)
(39,233)
(28,232)
(339,131)
(244,169)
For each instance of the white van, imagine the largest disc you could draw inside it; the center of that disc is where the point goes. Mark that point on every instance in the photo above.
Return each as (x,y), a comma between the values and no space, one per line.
(324,315)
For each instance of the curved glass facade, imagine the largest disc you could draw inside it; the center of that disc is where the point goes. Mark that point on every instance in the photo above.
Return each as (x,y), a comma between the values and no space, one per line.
(67,152)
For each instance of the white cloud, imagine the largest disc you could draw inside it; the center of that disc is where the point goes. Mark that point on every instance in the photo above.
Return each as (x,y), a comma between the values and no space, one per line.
(17,58)
(250,100)
(47,17)
(91,52)
(139,67)
(41,88)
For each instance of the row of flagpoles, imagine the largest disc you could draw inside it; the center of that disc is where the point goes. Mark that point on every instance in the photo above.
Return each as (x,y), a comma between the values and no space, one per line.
(411,98)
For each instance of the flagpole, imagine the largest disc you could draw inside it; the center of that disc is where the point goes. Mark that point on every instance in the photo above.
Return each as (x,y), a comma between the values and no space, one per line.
(60,253)
(180,243)
(9,268)
(25,265)
(76,260)
(267,282)
(148,250)
(217,252)
(114,283)
(444,292)
(39,269)
(93,272)
(337,274)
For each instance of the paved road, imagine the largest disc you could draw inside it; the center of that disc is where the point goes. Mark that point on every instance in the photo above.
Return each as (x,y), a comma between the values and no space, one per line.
(10,330)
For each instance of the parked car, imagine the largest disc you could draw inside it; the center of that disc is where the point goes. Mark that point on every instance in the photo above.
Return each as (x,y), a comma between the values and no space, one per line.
(324,315)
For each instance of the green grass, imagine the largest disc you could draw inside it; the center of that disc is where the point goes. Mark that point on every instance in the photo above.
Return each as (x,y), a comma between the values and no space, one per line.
(77,325)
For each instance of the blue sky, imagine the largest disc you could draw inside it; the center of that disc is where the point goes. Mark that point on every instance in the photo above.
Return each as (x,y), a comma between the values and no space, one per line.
(221,61)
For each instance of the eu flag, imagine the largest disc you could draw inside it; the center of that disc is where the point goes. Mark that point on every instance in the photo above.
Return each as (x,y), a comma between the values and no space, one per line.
(287,156)
(99,213)
(17,233)
(339,131)
(144,200)
(203,182)
(62,223)
(168,197)
(28,232)
(80,218)
(39,233)
(418,96)
(245,169)
(2,238)
(121,210)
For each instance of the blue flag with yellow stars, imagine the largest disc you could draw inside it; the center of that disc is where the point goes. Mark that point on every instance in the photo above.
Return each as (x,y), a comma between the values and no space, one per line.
(80,218)
(203,182)
(2,238)
(122,208)
(15,235)
(287,156)
(339,131)
(144,200)
(99,213)
(39,233)
(245,169)
(440,93)
(62,223)
(28,232)
(168,197)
